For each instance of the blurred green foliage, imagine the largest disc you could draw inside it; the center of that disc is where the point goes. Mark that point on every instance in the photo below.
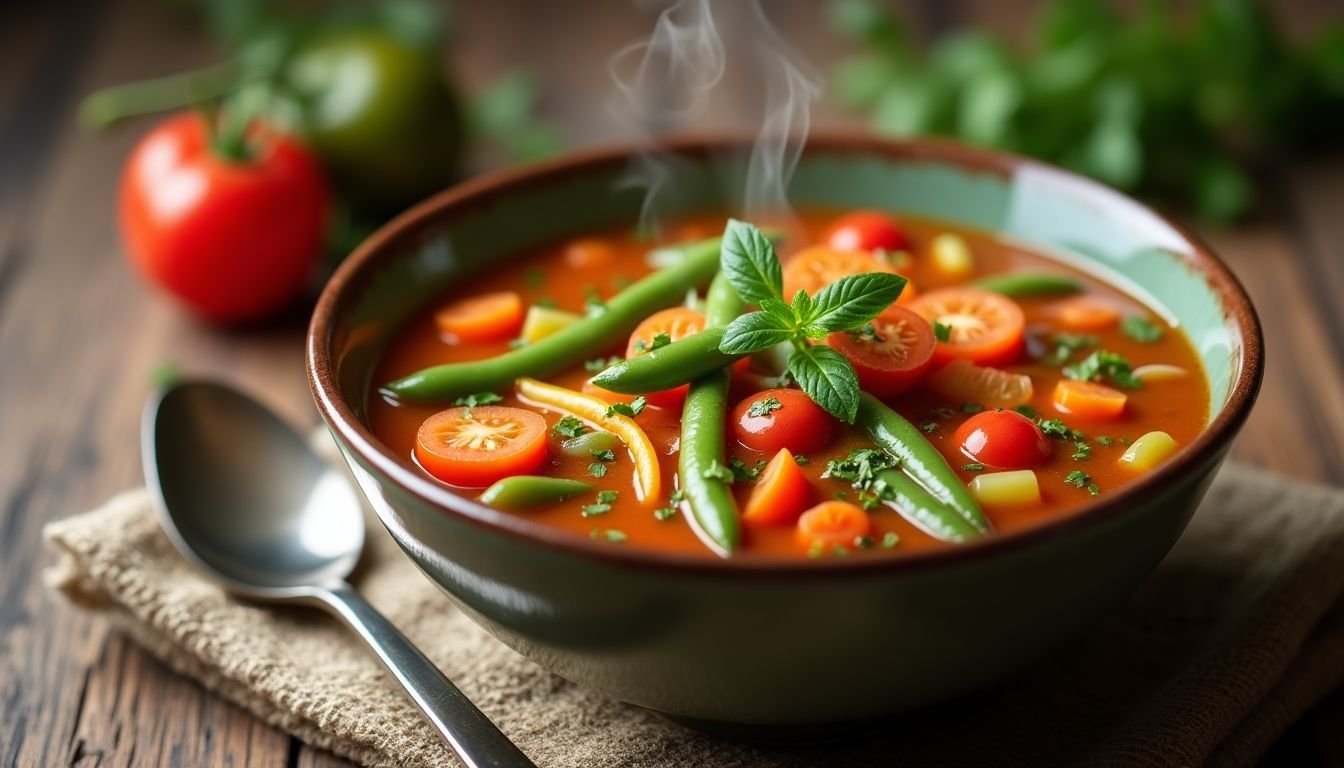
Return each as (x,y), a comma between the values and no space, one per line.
(1182,108)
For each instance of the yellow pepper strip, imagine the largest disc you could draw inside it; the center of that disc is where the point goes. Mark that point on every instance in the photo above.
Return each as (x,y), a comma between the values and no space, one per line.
(648,475)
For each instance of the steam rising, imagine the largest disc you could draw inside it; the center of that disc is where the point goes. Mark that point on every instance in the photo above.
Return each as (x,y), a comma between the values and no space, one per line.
(671,81)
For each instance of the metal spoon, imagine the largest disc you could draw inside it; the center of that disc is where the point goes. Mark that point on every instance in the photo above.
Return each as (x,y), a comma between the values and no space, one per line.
(245,499)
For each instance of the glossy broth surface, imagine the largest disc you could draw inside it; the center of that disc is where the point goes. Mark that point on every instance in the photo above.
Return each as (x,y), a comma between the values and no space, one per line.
(553,275)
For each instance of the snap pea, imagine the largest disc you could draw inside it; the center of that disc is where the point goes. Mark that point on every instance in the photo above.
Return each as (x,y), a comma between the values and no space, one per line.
(1029,284)
(921,508)
(894,434)
(583,446)
(589,337)
(680,362)
(524,491)
(708,496)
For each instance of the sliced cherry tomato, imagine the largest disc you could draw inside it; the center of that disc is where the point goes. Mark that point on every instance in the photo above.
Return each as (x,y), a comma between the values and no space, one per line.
(1085,313)
(962,381)
(832,523)
(866,230)
(781,494)
(589,253)
(984,327)
(1003,440)
(891,355)
(676,323)
(774,419)
(1089,399)
(487,317)
(815,268)
(474,447)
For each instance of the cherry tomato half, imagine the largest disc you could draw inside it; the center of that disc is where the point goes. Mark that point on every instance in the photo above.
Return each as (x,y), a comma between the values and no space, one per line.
(985,328)
(474,447)
(892,354)
(1003,440)
(815,268)
(677,323)
(781,418)
(866,230)
(234,239)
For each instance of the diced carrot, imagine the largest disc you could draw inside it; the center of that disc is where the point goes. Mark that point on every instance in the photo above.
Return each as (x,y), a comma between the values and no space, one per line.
(782,493)
(832,523)
(1089,399)
(1084,313)
(589,253)
(488,317)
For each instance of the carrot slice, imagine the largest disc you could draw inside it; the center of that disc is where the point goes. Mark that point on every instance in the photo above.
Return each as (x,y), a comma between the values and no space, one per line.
(1089,399)
(832,523)
(589,253)
(782,493)
(488,317)
(1084,313)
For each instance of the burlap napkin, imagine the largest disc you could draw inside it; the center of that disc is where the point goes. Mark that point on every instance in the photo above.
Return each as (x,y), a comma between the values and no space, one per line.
(1236,634)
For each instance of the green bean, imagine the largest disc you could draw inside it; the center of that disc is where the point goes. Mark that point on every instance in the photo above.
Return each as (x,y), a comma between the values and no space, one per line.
(894,434)
(680,362)
(524,491)
(589,337)
(1029,284)
(702,463)
(583,446)
(921,508)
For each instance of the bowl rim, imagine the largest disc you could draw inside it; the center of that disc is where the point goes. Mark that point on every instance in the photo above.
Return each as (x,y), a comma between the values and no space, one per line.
(340,418)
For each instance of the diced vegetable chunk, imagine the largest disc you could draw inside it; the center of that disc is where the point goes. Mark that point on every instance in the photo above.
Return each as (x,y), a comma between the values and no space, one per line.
(1089,399)
(832,523)
(782,493)
(544,321)
(1149,451)
(487,317)
(962,381)
(952,256)
(1155,372)
(1007,489)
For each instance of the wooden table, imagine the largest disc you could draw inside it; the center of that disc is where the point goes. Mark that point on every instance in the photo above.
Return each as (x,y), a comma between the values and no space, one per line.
(79,336)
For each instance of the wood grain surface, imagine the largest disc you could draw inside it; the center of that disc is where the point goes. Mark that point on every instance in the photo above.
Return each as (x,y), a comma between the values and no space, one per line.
(79,336)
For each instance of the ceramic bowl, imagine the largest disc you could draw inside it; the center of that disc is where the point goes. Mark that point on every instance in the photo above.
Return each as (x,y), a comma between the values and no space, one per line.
(728,643)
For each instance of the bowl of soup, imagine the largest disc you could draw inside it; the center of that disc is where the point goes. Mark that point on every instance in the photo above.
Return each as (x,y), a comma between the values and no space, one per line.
(796,470)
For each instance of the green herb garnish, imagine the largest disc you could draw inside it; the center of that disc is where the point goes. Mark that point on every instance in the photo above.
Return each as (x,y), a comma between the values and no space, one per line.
(973,467)
(593,510)
(1106,441)
(1026,410)
(743,472)
(716,471)
(631,409)
(1141,329)
(1080,479)
(604,454)
(890,539)
(598,364)
(942,331)
(473,400)
(1065,344)
(764,407)
(597,469)
(751,266)
(1081,451)
(972,407)
(569,427)
(610,534)
(929,427)
(860,467)
(1104,365)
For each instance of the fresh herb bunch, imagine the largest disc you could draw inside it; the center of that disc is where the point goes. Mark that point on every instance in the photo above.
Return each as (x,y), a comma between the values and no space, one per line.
(1144,103)
(749,261)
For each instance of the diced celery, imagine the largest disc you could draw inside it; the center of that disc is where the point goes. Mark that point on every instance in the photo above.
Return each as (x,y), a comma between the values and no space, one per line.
(1149,451)
(1007,489)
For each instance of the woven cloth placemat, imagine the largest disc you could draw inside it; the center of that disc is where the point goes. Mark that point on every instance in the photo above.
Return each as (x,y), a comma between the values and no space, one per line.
(1237,633)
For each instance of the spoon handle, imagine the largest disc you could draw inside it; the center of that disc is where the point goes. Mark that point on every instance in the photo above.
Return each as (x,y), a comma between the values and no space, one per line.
(465,728)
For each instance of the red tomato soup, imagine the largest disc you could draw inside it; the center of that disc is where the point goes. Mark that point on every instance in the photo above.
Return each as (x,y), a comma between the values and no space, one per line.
(1036,389)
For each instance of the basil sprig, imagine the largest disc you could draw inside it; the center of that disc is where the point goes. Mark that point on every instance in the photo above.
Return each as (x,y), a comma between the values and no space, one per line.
(749,261)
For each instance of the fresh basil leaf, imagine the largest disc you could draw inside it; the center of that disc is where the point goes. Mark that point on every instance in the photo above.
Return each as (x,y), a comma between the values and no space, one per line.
(802,306)
(783,313)
(852,301)
(752,332)
(749,262)
(828,379)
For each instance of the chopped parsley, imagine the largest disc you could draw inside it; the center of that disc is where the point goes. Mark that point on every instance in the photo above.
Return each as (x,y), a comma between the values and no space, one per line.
(473,400)
(941,413)
(594,305)
(1126,441)
(764,407)
(860,467)
(1080,479)
(601,363)
(801,460)
(631,409)
(1027,410)
(610,534)
(569,427)
(942,331)
(660,339)
(1057,428)
(973,467)
(840,495)
(972,407)
(606,497)
(1106,441)
(603,454)
(864,542)
(743,472)
(1104,365)
(890,539)
(929,427)
(664,513)
(867,333)
(1141,329)
(1081,451)
(593,510)
(716,471)
(597,469)
(1065,344)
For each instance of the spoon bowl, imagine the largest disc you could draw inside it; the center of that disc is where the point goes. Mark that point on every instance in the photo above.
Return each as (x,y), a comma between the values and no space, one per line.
(249,502)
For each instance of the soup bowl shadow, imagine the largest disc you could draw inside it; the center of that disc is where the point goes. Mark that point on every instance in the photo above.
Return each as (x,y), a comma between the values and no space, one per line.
(763,648)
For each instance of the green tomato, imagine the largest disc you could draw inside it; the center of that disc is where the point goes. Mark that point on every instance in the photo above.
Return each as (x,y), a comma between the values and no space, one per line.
(380,115)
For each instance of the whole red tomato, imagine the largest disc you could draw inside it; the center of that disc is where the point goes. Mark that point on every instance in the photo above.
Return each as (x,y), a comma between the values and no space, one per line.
(235,238)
